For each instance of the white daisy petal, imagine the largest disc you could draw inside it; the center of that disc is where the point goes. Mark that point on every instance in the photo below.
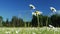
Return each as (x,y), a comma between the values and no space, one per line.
(36,13)
(51,26)
(33,13)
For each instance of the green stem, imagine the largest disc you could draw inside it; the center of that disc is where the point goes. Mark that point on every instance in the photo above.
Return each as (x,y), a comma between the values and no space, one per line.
(25,24)
(46,21)
(38,20)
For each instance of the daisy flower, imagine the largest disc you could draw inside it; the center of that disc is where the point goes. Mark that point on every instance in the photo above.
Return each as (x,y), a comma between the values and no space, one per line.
(32,6)
(36,13)
(52,9)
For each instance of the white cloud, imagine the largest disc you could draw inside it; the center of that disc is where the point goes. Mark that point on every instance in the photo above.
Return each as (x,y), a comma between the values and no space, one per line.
(58,12)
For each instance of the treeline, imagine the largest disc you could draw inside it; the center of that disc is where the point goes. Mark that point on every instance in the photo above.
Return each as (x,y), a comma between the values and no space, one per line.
(43,21)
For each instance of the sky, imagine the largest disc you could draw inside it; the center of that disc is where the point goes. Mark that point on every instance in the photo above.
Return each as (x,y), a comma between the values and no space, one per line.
(21,9)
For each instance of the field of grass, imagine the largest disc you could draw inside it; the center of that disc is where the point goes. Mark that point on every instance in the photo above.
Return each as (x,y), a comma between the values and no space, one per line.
(22,30)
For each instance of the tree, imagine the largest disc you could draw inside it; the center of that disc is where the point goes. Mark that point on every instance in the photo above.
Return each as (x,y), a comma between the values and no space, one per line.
(16,22)
(55,20)
(1,19)
(20,23)
(7,22)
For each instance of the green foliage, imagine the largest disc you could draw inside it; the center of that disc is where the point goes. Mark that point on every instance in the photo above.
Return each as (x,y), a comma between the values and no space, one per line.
(55,19)
(16,22)
(1,19)
(43,21)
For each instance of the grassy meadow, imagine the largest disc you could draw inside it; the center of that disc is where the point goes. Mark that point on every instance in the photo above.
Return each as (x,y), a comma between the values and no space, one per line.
(29,30)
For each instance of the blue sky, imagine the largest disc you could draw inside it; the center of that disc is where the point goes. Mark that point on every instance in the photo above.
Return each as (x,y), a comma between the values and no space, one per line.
(20,8)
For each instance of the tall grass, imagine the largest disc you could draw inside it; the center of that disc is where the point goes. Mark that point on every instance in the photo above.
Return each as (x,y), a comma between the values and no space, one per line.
(30,30)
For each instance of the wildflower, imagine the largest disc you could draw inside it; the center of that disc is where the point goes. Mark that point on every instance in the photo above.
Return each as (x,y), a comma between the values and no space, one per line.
(36,13)
(17,31)
(51,26)
(33,28)
(7,32)
(52,9)
(3,29)
(33,13)
(33,33)
(48,29)
(32,6)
